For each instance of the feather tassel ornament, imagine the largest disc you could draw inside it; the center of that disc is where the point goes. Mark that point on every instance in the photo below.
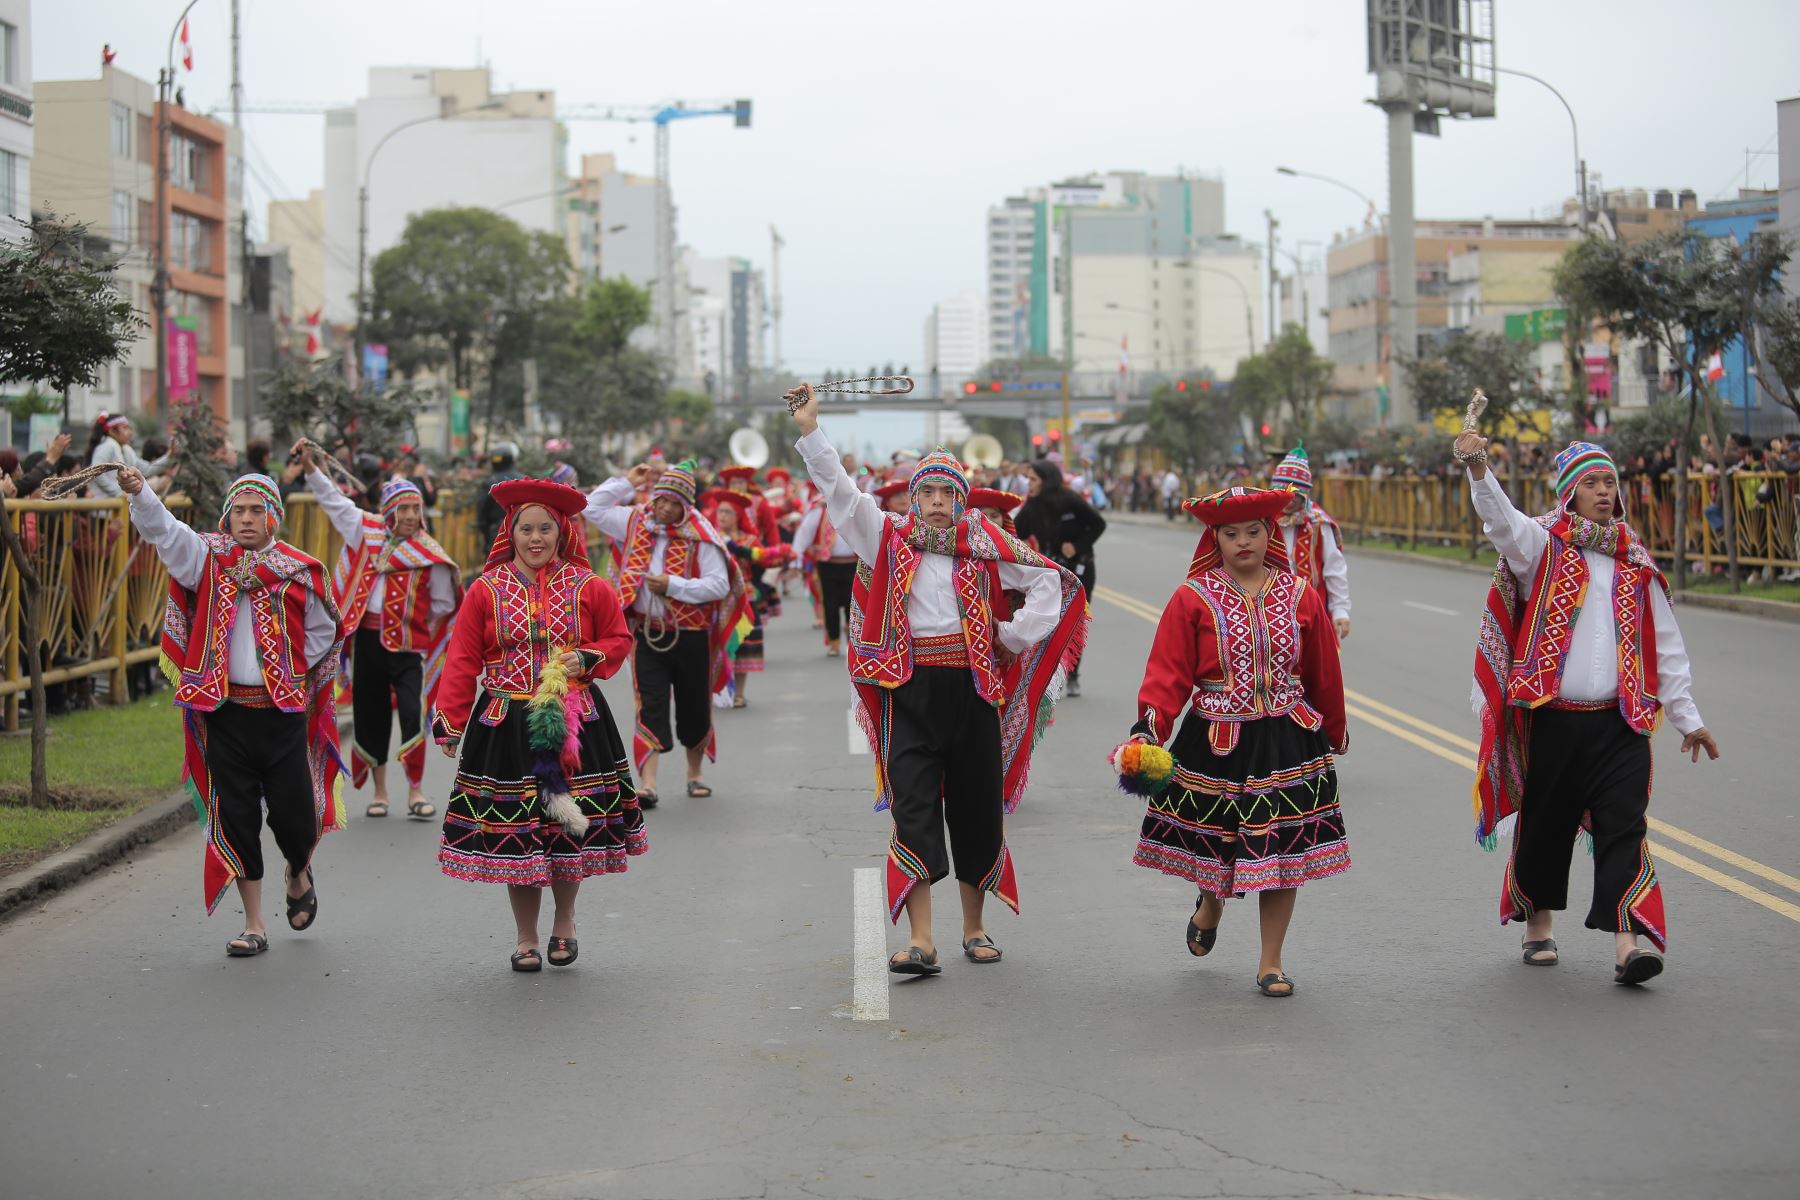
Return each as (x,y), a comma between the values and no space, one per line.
(553,729)
(1144,768)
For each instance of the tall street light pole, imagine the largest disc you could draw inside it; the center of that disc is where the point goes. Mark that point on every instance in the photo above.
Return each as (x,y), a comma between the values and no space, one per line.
(1368,213)
(159,282)
(1574,130)
(362,218)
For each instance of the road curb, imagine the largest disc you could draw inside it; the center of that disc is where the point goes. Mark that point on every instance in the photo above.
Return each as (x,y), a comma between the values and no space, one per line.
(1750,606)
(100,850)
(94,853)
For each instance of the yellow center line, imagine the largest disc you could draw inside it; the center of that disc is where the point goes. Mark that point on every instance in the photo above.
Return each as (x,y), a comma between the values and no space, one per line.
(1451,748)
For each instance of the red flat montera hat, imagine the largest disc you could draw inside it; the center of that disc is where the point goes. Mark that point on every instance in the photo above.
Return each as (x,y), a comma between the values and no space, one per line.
(778,475)
(737,472)
(1234,506)
(994,500)
(513,494)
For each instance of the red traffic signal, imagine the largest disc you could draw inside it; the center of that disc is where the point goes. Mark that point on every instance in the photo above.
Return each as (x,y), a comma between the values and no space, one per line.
(1037,439)
(993,385)
(1206,385)
(970,388)
(1056,435)
(1181,385)
(1265,429)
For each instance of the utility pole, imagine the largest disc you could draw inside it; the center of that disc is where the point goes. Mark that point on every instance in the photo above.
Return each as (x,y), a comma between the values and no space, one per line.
(775,245)
(237,125)
(1274,276)
(159,285)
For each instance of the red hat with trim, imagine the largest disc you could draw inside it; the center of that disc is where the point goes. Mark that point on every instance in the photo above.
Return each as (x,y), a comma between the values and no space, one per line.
(564,501)
(780,475)
(733,474)
(994,500)
(1235,506)
(716,498)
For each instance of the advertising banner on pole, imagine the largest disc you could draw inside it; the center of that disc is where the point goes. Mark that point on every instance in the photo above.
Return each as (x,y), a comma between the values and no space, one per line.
(375,366)
(459,421)
(184,357)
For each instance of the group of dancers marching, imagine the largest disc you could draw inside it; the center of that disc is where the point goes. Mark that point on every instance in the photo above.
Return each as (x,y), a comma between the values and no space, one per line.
(960,637)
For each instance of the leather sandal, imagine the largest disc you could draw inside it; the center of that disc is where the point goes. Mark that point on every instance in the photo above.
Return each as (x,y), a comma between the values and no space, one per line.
(981,942)
(256,943)
(914,961)
(1544,946)
(421,810)
(376,808)
(527,960)
(306,904)
(1640,966)
(1196,936)
(1273,980)
(562,945)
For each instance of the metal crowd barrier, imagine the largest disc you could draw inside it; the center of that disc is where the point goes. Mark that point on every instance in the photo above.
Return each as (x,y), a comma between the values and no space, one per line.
(1435,510)
(104,588)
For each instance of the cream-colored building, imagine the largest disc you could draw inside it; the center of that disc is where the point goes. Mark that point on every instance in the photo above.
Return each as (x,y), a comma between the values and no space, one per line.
(299,225)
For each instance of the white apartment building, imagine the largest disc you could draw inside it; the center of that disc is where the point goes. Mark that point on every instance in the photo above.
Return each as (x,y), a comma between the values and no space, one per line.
(15,114)
(726,317)
(956,342)
(430,138)
(1010,238)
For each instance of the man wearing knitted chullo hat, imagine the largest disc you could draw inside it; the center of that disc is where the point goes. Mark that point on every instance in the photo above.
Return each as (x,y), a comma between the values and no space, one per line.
(1579,657)
(1315,546)
(250,641)
(683,602)
(397,590)
(950,695)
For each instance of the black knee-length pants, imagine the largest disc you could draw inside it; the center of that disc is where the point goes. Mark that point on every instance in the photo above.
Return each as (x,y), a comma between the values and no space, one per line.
(383,681)
(257,755)
(685,670)
(835,582)
(1583,761)
(944,770)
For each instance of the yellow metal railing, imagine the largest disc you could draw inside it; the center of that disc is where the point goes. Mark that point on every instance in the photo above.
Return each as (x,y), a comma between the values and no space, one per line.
(1435,509)
(104,588)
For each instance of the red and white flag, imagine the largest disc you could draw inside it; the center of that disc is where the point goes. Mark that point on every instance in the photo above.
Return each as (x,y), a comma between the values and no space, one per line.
(187,47)
(1715,367)
(312,332)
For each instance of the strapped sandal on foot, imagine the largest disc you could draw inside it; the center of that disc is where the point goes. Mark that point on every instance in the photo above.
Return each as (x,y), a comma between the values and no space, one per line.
(739,702)
(914,961)
(255,944)
(421,810)
(306,904)
(1203,938)
(981,942)
(376,808)
(1640,966)
(562,945)
(648,800)
(527,960)
(1274,979)
(1544,946)
(698,790)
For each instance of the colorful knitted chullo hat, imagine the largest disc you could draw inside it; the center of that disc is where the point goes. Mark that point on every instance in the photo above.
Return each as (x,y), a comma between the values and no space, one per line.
(1576,460)
(677,483)
(258,485)
(1293,473)
(940,466)
(396,492)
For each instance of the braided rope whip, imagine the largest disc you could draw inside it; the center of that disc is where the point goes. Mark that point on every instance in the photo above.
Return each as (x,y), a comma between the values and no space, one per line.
(884,385)
(64,486)
(332,466)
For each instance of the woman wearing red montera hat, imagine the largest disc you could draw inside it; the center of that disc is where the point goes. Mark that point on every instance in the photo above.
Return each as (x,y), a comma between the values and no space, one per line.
(1249,802)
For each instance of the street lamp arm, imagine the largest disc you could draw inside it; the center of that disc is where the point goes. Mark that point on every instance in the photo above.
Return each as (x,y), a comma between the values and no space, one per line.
(1327,179)
(175,32)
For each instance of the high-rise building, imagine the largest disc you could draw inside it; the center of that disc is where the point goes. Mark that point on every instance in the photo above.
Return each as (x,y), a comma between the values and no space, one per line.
(104,174)
(15,115)
(956,342)
(726,324)
(1081,259)
(427,138)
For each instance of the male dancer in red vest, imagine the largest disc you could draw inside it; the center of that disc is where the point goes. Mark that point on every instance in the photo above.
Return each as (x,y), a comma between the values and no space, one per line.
(1578,659)
(1315,545)
(397,590)
(683,603)
(250,641)
(948,692)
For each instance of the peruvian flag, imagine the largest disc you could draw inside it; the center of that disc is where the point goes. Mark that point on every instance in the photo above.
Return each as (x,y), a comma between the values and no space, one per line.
(187,47)
(312,332)
(1715,367)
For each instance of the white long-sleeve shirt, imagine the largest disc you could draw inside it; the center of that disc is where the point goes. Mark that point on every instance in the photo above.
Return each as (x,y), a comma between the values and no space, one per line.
(1592,672)
(185,553)
(809,530)
(609,510)
(1337,571)
(347,519)
(112,450)
(931,607)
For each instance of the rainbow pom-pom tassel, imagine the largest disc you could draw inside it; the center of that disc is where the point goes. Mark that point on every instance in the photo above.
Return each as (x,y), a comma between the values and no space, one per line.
(1144,767)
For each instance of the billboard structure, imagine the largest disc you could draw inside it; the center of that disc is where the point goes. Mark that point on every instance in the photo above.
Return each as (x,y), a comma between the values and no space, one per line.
(1430,59)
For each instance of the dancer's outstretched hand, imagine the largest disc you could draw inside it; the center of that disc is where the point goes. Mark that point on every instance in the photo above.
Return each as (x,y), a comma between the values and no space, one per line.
(1700,739)
(803,402)
(130,480)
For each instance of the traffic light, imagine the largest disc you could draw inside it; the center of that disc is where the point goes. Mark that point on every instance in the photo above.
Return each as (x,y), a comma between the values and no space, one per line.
(1181,385)
(1206,385)
(1265,429)
(970,388)
(1055,435)
(993,385)
(1037,439)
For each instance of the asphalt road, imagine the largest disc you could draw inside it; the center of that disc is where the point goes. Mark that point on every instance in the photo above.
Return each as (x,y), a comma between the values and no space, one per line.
(707,1044)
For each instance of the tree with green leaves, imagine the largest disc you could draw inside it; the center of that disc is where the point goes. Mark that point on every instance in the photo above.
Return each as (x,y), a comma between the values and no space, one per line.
(1301,377)
(1256,395)
(1444,381)
(1690,297)
(591,375)
(62,317)
(1773,319)
(1192,427)
(304,399)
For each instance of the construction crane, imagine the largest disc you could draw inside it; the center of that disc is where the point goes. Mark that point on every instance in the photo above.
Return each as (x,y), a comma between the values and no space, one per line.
(660,115)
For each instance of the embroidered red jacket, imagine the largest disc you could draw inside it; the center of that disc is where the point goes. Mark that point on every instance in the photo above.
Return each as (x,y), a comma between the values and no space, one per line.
(1239,658)
(276,581)
(507,628)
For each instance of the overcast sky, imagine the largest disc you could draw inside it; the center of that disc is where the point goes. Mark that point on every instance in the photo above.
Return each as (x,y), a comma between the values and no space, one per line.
(883,132)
